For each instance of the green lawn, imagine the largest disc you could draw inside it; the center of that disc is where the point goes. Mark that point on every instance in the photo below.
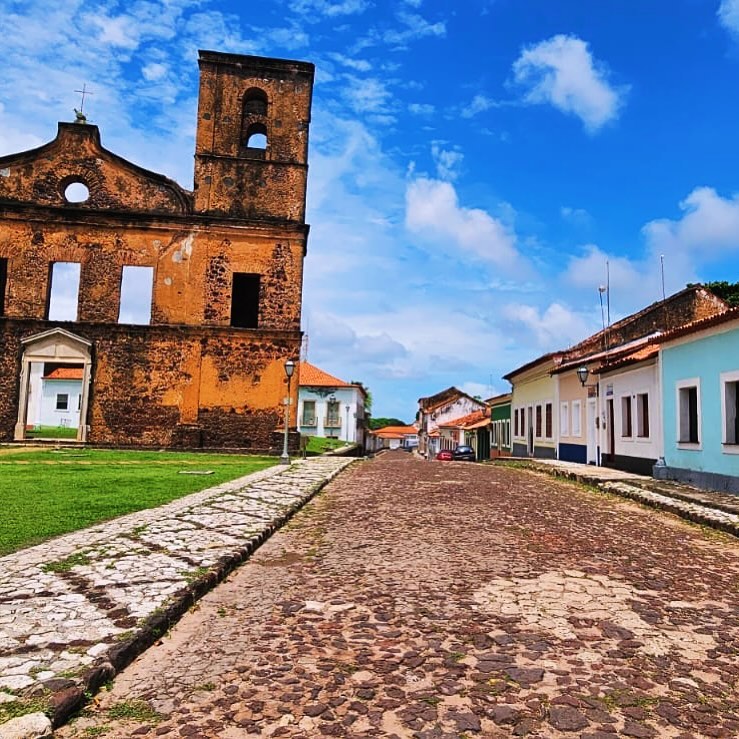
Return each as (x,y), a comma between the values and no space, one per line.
(52,432)
(45,492)
(319,445)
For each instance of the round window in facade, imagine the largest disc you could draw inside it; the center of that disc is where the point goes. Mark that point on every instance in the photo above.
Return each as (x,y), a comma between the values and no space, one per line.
(76,192)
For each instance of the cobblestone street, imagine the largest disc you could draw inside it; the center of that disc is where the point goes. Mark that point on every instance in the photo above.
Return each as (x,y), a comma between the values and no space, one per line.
(418,599)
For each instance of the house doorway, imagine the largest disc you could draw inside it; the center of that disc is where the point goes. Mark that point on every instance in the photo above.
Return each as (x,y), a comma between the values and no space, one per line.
(591,431)
(54,387)
(610,431)
(530,432)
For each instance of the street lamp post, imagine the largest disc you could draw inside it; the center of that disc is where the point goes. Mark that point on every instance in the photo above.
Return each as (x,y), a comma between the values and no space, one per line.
(347,406)
(289,369)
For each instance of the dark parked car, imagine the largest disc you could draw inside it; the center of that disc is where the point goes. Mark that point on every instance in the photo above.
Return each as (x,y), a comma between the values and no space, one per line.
(445,455)
(464,454)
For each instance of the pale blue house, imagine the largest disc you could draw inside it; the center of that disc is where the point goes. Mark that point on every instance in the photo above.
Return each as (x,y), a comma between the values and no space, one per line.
(699,368)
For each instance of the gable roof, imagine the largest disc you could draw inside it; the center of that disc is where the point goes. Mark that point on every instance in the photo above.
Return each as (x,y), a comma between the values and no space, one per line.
(311,376)
(432,402)
(395,432)
(469,421)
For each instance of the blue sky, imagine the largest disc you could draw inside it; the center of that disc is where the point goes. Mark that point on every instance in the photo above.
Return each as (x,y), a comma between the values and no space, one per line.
(472,165)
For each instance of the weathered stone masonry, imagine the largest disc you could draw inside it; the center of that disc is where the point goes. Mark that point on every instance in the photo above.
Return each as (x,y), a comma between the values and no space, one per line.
(194,376)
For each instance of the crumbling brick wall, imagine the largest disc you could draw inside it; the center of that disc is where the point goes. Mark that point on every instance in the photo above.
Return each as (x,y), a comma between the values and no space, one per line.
(190,377)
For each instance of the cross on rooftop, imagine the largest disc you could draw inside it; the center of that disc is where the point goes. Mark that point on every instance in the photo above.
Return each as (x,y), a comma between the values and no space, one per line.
(84,91)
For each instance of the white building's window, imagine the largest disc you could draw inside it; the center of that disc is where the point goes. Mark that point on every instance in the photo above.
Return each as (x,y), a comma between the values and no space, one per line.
(688,412)
(538,422)
(507,434)
(333,417)
(309,413)
(576,414)
(642,415)
(564,419)
(626,428)
(730,407)
(62,401)
(548,421)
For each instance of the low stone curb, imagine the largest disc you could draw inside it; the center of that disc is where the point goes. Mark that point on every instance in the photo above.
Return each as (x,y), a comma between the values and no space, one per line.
(68,696)
(713,517)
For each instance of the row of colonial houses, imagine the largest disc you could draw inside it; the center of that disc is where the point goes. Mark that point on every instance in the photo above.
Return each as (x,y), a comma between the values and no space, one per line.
(656,393)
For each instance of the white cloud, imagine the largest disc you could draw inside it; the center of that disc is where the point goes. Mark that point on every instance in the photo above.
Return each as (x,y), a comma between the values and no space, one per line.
(554,328)
(562,72)
(368,96)
(447,161)
(314,8)
(421,108)
(153,72)
(728,14)
(588,271)
(578,216)
(708,229)
(121,31)
(478,104)
(359,65)
(433,210)
(414,26)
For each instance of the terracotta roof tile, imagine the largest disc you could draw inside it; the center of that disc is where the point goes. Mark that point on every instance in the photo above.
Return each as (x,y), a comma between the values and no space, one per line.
(465,421)
(311,376)
(65,373)
(391,432)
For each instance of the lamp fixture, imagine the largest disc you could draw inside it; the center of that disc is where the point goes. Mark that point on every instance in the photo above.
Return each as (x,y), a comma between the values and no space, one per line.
(582,374)
(290,365)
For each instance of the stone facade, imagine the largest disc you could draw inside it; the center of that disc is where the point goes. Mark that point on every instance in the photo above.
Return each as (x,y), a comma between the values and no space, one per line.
(200,374)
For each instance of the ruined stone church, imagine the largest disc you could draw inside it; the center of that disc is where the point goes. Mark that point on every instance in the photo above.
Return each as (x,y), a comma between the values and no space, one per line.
(204,368)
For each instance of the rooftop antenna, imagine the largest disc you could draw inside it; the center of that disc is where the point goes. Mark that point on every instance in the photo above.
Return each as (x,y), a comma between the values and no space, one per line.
(664,307)
(601,290)
(80,116)
(662,266)
(305,341)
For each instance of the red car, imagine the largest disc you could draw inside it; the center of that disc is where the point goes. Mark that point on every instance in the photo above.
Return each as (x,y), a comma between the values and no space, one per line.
(445,455)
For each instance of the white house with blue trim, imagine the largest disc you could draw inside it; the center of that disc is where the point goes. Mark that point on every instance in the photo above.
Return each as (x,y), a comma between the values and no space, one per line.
(699,371)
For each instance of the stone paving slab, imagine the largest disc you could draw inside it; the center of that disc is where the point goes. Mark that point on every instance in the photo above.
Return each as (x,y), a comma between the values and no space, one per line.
(75,609)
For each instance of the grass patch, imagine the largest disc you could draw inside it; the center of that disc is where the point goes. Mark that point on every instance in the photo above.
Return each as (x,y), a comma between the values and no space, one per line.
(320,445)
(20,707)
(48,492)
(64,565)
(135,710)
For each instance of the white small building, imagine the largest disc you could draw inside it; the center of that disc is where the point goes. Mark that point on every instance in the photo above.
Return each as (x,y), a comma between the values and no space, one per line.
(60,398)
(329,407)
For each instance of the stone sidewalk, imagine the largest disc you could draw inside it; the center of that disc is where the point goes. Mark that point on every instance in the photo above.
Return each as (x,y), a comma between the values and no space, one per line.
(76,609)
(715,509)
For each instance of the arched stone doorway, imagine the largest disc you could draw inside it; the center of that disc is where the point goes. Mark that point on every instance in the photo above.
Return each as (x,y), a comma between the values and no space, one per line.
(53,348)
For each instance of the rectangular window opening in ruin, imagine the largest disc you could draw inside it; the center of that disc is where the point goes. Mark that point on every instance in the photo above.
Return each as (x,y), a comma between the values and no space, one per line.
(136,295)
(3,283)
(64,288)
(245,300)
